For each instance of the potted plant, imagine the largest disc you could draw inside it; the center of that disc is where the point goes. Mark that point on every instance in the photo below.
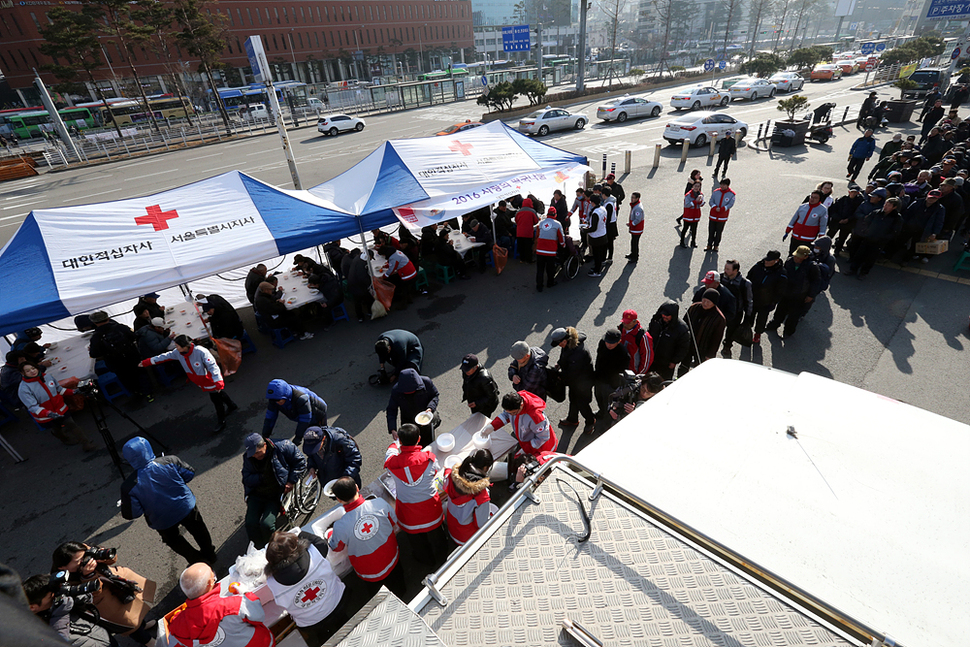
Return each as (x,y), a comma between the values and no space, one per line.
(783,127)
(901,110)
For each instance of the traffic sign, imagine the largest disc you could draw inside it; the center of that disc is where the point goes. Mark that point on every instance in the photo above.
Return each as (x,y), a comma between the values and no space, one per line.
(868,48)
(880,47)
(722,64)
(516,38)
(955,55)
(709,65)
(947,10)
(484,80)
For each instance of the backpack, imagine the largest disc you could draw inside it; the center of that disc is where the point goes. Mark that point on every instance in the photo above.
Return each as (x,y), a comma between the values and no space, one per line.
(118,344)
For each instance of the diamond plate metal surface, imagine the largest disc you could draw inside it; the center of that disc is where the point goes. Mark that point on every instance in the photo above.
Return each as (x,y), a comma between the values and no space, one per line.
(389,623)
(630,584)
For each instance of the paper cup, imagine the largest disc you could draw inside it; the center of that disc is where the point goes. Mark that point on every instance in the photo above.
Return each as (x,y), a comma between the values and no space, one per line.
(425,418)
(446,442)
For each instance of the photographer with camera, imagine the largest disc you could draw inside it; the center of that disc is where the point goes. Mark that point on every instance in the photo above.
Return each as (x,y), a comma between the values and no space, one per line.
(123,596)
(637,390)
(68,610)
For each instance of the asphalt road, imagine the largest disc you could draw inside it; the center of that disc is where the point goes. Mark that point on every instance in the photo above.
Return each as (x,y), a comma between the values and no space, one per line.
(900,333)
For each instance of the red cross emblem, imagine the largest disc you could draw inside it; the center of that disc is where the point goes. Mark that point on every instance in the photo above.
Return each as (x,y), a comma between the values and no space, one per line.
(156,217)
(366,528)
(458,147)
(311,594)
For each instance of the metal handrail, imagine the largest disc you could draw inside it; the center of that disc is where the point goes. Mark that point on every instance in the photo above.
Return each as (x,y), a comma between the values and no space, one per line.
(718,550)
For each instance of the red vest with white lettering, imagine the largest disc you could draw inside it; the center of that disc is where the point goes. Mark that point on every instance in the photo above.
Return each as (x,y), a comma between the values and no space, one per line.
(199,366)
(400,263)
(721,214)
(549,236)
(366,532)
(418,505)
(692,206)
(465,512)
(314,597)
(807,227)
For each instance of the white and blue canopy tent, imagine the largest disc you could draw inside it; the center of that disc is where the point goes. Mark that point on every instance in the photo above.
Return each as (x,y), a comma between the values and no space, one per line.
(73,260)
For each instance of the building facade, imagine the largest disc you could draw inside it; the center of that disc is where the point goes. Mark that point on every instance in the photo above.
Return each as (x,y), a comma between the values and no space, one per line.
(311,40)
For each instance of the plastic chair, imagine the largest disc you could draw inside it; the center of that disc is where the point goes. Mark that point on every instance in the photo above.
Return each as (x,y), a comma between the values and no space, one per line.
(111,386)
(963,263)
(247,343)
(282,337)
(339,313)
(168,372)
(444,274)
(421,283)
(260,324)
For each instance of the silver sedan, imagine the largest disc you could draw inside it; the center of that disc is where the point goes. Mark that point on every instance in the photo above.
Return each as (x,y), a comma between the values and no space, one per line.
(542,122)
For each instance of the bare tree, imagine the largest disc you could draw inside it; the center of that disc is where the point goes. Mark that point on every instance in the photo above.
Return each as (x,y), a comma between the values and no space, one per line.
(612,12)
(798,23)
(666,12)
(730,6)
(757,10)
(783,5)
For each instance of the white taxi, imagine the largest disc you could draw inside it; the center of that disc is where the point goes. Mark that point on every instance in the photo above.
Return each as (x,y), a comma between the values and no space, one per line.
(703,96)
(698,128)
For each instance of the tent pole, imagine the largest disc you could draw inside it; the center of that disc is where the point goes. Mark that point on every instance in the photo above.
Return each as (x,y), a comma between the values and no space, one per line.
(363,246)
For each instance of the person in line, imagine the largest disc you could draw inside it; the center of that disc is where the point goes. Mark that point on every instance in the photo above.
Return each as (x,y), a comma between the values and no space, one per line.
(596,235)
(727,303)
(255,276)
(722,201)
(922,222)
(635,225)
(527,371)
(931,119)
(297,403)
(331,453)
(400,271)
(576,365)
(530,427)
(769,284)
(478,388)
(549,238)
(877,230)
(693,202)
(413,394)
(804,282)
(304,585)
(44,399)
(468,496)
(671,340)
(417,504)
(158,489)
(637,342)
(726,148)
(893,146)
(525,222)
(612,359)
(860,153)
(233,620)
(929,101)
(356,268)
(366,532)
(397,350)
(741,291)
(270,469)
(115,343)
(706,325)
(274,314)
(202,370)
(842,216)
(808,223)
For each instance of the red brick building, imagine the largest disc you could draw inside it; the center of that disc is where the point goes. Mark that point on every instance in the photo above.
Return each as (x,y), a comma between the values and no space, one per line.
(307,40)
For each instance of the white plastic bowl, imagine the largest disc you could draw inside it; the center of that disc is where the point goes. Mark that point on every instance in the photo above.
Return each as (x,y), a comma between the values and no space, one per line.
(446,442)
(480,441)
(328,489)
(425,418)
(452,462)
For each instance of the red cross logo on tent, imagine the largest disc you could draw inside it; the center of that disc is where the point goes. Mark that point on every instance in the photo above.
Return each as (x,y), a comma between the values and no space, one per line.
(156,217)
(366,528)
(311,594)
(458,147)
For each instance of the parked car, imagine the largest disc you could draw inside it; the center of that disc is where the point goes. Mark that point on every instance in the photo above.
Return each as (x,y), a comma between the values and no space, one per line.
(703,96)
(338,123)
(468,124)
(926,79)
(542,122)
(698,128)
(752,89)
(848,67)
(627,107)
(788,81)
(826,72)
(255,112)
(731,80)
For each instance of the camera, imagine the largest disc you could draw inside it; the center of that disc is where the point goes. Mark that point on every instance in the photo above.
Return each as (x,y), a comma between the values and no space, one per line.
(99,554)
(627,393)
(59,586)
(88,388)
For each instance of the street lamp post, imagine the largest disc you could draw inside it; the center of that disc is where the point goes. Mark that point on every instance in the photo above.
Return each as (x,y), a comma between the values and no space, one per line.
(296,75)
(421,48)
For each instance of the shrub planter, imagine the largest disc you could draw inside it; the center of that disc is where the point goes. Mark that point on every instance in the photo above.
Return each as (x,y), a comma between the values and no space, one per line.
(900,110)
(798,126)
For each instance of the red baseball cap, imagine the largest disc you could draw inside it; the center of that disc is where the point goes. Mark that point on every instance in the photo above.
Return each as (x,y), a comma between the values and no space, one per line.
(629,315)
(711,277)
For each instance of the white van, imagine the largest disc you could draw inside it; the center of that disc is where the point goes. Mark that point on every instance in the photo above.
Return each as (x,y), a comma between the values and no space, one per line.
(255,112)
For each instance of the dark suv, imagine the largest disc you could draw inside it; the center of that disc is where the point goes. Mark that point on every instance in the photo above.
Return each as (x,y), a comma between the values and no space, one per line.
(926,79)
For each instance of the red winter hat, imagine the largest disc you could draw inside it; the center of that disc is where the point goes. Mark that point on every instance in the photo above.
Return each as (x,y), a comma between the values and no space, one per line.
(629,315)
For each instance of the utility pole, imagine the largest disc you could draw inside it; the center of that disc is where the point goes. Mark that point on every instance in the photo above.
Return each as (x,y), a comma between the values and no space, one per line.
(539,44)
(581,54)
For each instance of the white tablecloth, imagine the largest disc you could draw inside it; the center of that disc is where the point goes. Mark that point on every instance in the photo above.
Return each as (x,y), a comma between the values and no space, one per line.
(69,357)
(295,291)
(185,319)
(461,242)
(502,441)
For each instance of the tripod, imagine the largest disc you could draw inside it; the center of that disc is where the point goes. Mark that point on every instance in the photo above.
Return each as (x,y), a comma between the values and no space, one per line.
(96,401)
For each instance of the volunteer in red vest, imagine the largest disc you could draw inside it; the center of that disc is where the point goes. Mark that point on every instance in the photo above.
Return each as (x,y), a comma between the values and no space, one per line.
(635,225)
(468,497)
(400,271)
(231,621)
(44,399)
(637,342)
(808,223)
(418,505)
(549,238)
(722,199)
(305,586)
(203,371)
(366,532)
(693,201)
(529,423)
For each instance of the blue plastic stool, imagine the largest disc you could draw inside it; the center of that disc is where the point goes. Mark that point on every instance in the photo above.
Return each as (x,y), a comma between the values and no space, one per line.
(339,313)
(111,386)
(962,263)
(421,283)
(261,325)
(247,343)
(6,415)
(168,372)
(282,337)
(444,273)
(489,261)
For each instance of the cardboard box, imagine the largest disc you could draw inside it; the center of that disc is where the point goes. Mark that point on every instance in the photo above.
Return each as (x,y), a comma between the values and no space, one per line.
(935,247)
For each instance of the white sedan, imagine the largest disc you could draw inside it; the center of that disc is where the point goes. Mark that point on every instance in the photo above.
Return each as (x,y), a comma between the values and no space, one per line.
(542,122)
(752,89)
(333,124)
(700,127)
(700,97)
(788,81)
(627,107)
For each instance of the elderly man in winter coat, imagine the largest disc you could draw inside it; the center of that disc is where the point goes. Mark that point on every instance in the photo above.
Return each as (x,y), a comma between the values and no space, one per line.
(478,387)
(331,453)
(158,489)
(576,365)
(528,369)
(671,339)
(270,469)
(297,403)
(768,285)
(397,350)
(706,324)
(804,282)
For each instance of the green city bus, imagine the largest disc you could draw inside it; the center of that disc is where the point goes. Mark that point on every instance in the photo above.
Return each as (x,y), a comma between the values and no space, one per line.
(26,125)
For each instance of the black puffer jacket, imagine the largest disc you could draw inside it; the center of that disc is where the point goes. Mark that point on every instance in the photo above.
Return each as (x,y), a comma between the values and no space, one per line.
(768,284)
(671,341)
(480,387)
(576,363)
(610,364)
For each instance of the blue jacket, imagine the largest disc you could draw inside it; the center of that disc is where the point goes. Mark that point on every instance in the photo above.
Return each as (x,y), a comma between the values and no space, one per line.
(925,218)
(158,487)
(289,464)
(412,394)
(340,457)
(863,147)
(302,405)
